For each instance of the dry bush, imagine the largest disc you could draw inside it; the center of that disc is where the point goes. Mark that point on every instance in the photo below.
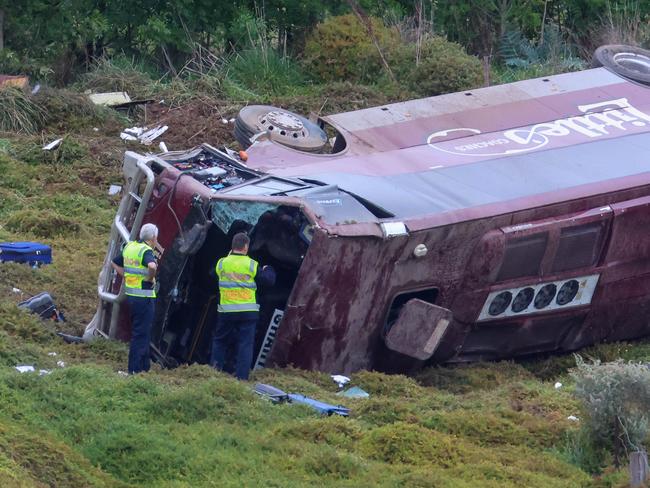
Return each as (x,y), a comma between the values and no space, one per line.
(19,112)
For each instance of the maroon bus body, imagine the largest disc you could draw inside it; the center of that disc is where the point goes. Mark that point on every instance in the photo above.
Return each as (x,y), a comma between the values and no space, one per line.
(583,231)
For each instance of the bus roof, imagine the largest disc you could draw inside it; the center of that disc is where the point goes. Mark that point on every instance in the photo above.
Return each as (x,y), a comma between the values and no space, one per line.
(563,136)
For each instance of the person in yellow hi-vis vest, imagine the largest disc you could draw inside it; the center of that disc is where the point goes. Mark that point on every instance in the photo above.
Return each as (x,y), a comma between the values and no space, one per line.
(137,265)
(238,310)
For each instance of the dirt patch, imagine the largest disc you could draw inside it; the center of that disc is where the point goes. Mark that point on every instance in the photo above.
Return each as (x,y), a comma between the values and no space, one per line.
(193,123)
(201,119)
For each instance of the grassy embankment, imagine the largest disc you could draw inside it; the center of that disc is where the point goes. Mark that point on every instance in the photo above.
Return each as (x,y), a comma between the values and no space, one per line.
(489,425)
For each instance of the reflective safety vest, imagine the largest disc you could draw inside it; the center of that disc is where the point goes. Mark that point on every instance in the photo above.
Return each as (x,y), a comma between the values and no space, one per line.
(237,285)
(134,271)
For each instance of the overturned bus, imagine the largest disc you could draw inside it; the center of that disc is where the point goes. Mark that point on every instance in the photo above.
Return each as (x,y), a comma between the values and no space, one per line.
(494,223)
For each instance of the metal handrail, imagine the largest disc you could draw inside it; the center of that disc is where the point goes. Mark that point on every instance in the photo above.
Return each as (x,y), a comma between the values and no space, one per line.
(120,233)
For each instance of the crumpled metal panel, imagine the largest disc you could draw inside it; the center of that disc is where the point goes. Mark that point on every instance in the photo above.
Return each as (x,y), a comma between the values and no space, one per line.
(419,329)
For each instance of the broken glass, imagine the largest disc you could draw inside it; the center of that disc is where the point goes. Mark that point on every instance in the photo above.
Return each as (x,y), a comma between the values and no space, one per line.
(224,213)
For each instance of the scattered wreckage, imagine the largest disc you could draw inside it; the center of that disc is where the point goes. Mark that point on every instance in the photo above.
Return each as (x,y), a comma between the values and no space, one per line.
(494,223)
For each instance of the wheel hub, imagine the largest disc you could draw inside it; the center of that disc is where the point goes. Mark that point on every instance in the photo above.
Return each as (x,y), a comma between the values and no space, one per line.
(281,121)
(633,61)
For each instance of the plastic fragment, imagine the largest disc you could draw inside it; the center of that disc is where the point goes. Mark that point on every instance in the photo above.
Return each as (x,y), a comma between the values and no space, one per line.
(25,368)
(340,380)
(354,392)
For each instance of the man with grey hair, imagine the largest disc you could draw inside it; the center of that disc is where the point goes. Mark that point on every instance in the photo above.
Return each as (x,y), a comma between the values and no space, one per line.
(137,266)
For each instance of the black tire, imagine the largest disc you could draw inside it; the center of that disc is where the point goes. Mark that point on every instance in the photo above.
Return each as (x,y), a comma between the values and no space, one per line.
(284,127)
(630,62)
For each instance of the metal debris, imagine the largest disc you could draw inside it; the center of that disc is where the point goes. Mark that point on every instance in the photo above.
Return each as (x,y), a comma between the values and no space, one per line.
(142,134)
(148,137)
(114,189)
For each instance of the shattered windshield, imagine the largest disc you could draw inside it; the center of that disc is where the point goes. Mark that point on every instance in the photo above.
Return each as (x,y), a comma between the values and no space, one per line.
(224,213)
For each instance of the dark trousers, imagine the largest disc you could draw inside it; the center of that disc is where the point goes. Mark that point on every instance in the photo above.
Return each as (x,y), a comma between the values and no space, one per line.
(236,328)
(141,320)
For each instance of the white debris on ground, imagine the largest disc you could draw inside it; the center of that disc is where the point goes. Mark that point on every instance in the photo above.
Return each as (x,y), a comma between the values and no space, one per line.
(572,418)
(148,137)
(143,134)
(122,373)
(558,385)
(51,353)
(25,369)
(28,368)
(340,380)
(60,364)
(114,190)
(52,145)
(109,99)
(132,133)
(163,147)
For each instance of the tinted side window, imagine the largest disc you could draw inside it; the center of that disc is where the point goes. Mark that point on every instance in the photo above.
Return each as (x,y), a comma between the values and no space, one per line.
(523,256)
(578,247)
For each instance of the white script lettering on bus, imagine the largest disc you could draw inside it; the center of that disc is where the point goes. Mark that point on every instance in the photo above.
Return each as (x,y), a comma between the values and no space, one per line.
(599,119)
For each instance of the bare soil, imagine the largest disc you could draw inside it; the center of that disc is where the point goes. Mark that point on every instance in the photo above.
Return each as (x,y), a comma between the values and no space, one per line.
(193,123)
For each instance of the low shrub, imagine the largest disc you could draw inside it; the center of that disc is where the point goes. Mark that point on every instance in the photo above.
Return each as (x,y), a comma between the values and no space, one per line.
(118,73)
(44,461)
(334,431)
(263,71)
(410,444)
(340,49)
(444,67)
(66,110)
(392,385)
(19,112)
(41,223)
(328,462)
(472,377)
(616,399)
(482,428)
(67,152)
